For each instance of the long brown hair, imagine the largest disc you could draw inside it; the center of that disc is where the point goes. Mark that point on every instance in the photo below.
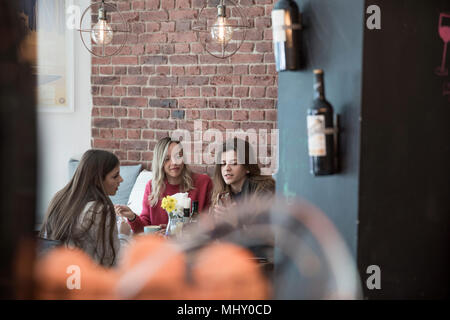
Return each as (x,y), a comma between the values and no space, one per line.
(62,218)
(246,157)
(159,176)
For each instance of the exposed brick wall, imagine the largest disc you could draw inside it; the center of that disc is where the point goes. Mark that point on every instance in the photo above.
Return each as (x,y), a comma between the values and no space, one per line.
(163,80)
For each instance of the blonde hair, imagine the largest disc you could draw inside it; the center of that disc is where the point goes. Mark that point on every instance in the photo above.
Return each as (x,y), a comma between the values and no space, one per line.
(159,175)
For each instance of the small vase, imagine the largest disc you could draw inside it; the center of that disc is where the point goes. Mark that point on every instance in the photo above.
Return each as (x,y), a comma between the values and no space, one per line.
(174,226)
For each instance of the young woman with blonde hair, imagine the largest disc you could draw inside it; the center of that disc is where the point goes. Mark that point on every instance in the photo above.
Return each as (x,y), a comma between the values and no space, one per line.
(170,176)
(237,175)
(82,214)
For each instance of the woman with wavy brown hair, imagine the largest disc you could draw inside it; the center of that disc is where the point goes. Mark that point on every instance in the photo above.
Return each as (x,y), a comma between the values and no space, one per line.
(237,175)
(82,214)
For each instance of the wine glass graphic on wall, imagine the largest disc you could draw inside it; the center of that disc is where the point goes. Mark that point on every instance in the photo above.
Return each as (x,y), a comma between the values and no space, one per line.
(444,33)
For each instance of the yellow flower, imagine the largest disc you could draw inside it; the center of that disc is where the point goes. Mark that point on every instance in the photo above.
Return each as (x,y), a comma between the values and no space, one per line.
(168,203)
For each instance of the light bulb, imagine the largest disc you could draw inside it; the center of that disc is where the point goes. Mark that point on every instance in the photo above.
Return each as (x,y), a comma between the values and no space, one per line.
(221,31)
(102,33)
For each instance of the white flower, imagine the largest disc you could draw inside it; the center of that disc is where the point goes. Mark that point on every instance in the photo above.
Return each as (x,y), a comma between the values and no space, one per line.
(181,198)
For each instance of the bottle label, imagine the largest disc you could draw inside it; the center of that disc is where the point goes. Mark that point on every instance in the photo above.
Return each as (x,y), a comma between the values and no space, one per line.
(278,32)
(316,136)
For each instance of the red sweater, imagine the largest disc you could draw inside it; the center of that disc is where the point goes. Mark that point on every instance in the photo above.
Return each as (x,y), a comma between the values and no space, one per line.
(157,215)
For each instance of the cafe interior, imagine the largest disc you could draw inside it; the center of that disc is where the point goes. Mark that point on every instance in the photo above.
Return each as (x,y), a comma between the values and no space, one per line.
(343,104)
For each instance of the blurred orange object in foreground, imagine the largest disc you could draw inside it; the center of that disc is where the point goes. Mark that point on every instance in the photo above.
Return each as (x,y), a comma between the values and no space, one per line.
(224,271)
(71,274)
(153,267)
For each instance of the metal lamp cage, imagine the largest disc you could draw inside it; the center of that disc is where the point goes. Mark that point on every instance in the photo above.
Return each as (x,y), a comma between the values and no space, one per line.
(118,24)
(206,20)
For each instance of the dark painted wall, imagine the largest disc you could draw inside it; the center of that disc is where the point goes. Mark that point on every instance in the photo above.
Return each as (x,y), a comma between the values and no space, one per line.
(391,199)
(332,37)
(405,153)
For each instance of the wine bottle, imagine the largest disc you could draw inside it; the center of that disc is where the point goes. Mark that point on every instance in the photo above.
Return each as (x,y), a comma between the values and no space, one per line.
(194,211)
(320,130)
(286,29)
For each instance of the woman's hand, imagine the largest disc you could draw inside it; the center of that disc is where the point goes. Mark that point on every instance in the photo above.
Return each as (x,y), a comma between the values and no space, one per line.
(222,210)
(124,211)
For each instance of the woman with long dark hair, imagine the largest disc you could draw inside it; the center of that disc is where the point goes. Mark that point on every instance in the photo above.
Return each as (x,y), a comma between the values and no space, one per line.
(82,214)
(170,176)
(237,175)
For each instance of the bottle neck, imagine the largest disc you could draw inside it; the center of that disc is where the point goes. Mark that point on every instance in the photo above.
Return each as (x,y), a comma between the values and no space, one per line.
(319,87)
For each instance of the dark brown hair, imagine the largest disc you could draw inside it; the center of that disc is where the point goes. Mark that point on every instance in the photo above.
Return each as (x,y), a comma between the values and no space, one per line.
(62,217)
(245,156)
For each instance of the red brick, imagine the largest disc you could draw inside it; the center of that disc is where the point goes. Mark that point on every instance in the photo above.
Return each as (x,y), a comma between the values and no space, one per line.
(224,69)
(106,112)
(258,69)
(162,113)
(225,80)
(182,14)
(106,91)
(106,70)
(240,69)
(205,70)
(224,103)
(120,112)
(268,34)
(269,58)
(192,103)
(152,4)
(102,101)
(162,92)
(208,114)
(257,103)
(177,92)
(105,80)
(271,115)
(183,59)
(154,16)
(152,26)
(134,70)
(134,80)
(133,134)
(148,134)
(148,91)
(163,81)
(271,92)
(240,115)
(163,124)
(120,91)
(241,92)
(134,123)
(193,81)
(138,5)
(167,4)
(133,145)
(257,126)
(257,92)
(134,155)
(118,70)
(105,133)
(134,102)
(247,47)
(147,156)
(162,70)
(192,92)
(134,91)
(224,125)
(208,91)
(192,70)
(124,60)
(264,47)
(106,143)
(256,115)
(247,58)
(120,133)
(192,114)
(258,80)
(182,4)
(153,38)
(148,113)
(133,113)
(225,91)
(223,114)
(181,48)
(177,70)
(182,37)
